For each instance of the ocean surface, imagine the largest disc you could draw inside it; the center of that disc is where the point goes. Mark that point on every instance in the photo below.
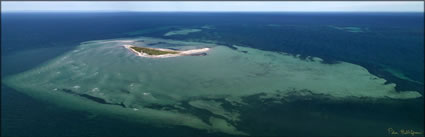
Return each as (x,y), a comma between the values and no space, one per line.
(387,45)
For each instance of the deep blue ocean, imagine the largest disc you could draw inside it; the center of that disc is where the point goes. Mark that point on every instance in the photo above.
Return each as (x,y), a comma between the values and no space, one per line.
(387,40)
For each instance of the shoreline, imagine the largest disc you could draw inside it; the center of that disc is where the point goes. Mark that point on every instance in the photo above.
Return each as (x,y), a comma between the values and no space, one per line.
(179,53)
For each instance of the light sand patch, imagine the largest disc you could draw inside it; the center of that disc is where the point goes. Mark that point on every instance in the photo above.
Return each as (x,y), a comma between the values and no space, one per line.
(208,27)
(349,29)
(400,75)
(182,32)
(215,108)
(221,125)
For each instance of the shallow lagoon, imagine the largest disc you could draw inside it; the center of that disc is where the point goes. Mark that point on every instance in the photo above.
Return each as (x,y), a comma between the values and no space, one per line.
(103,77)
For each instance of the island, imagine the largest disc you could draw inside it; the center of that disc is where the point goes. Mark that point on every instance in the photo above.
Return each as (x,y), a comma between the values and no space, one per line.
(163,53)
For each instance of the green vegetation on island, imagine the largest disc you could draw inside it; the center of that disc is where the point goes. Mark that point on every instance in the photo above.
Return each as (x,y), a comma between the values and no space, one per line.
(151,51)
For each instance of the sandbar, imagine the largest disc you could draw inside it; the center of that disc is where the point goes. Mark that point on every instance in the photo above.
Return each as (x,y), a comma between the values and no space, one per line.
(167,52)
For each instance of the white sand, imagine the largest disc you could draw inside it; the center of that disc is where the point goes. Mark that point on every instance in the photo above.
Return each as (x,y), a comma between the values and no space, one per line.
(179,53)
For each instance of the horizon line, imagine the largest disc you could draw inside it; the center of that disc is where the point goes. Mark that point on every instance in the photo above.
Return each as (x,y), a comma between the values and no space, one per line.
(210,11)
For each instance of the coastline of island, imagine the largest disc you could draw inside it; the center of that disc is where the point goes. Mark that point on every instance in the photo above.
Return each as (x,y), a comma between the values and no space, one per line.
(162,53)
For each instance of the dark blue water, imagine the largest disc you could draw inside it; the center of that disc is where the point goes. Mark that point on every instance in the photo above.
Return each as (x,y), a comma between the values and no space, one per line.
(393,40)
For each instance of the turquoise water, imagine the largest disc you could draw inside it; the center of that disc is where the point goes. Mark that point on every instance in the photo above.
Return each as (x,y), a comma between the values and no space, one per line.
(105,78)
(277,83)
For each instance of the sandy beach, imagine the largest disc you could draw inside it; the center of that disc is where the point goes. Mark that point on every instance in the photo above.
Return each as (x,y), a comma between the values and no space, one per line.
(180,53)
